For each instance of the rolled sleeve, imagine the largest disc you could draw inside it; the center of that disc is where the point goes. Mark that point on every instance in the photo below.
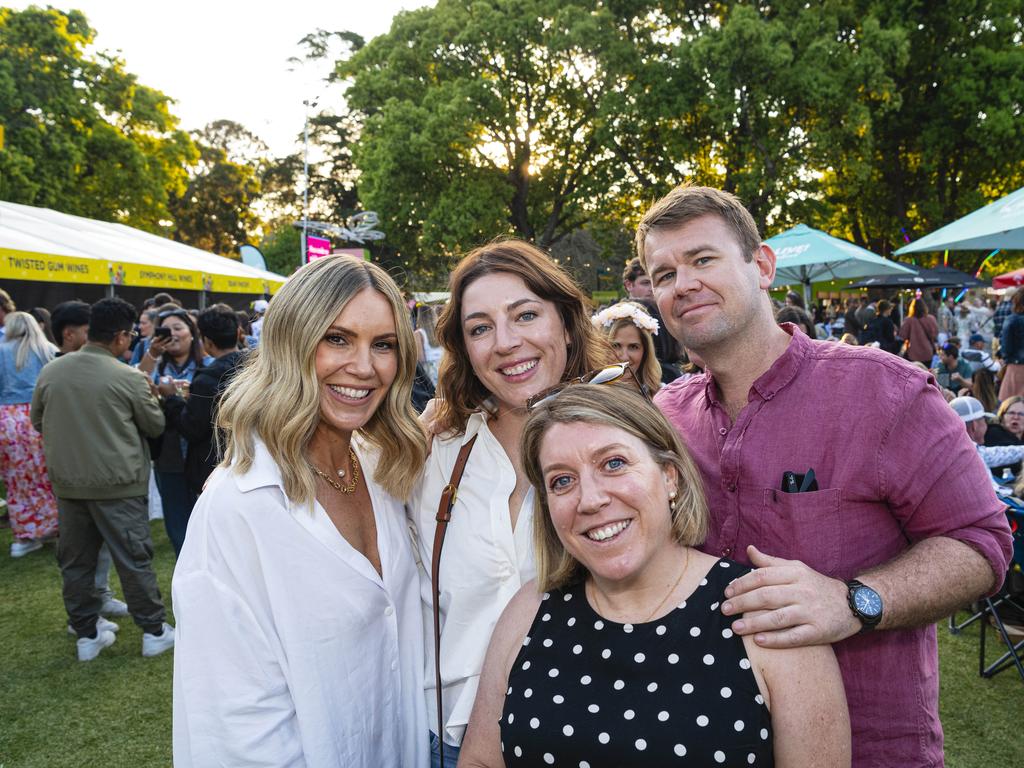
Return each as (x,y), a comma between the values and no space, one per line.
(231,701)
(935,481)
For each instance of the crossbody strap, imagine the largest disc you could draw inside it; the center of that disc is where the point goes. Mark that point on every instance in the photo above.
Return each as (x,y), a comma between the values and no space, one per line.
(444,516)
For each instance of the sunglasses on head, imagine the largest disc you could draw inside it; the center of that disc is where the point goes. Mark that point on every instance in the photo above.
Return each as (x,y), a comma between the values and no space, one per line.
(607,375)
(173,313)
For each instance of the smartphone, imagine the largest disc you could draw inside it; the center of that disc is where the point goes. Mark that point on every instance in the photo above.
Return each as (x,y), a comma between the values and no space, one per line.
(162,333)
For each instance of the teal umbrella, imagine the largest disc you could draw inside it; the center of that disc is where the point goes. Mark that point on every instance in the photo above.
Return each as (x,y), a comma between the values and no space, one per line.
(997,225)
(805,255)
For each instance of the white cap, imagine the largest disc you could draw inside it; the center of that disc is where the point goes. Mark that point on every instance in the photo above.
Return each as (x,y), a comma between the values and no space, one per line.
(969,408)
(260,306)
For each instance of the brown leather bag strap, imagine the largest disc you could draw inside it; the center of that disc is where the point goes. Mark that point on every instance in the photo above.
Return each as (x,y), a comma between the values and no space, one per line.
(444,515)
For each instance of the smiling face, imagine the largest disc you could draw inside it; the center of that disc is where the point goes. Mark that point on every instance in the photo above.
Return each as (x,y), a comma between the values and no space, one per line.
(705,288)
(356,362)
(628,346)
(180,343)
(608,499)
(515,340)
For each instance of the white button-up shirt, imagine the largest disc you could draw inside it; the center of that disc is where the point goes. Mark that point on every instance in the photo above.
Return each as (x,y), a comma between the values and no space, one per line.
(290,649)
(484,562)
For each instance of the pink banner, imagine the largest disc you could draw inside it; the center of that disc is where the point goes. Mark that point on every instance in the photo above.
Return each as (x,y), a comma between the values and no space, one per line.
(317,248)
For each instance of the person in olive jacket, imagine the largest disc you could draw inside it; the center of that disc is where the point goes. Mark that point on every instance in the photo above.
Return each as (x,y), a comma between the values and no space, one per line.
(193,416)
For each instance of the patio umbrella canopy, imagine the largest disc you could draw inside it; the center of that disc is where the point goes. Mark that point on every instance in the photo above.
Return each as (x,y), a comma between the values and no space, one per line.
(805,255)
(939,277)
(1009,280)
(997,225)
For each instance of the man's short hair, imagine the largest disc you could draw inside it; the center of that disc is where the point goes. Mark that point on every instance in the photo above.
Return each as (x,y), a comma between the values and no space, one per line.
(633,270)
(108,317)
(165,298)
(686,203)
(951,350)
(68,314)
(6,302)
(219,324)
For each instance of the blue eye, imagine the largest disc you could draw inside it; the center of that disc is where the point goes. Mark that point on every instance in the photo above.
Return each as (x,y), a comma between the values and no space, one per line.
(615,463)
(476,330)
(528,315)
(666,276)
(559,483)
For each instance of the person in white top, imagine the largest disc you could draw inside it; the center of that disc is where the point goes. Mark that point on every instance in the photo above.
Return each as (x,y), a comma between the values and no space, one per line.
(429,350)
(516,324)
(300,637)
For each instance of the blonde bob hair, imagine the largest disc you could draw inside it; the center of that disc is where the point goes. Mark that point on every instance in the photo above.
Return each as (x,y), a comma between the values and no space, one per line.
(276,395)
(619,407)
(460,392)
(24,330)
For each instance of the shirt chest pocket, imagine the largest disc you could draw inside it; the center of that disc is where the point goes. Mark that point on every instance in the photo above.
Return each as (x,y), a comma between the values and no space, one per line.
(802,526)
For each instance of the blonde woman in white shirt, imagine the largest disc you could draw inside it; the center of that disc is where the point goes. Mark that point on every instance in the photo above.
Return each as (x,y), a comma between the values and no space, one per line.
(300,638)
(516,325)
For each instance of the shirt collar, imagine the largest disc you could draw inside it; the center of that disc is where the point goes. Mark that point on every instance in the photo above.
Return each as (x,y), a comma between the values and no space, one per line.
(781,372)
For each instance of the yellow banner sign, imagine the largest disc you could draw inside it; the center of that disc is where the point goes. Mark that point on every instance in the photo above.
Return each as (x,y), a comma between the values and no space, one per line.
(155,277)
(230,284)
(26,265)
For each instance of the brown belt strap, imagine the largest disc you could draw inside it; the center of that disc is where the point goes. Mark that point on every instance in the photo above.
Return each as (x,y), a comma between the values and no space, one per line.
(444,516)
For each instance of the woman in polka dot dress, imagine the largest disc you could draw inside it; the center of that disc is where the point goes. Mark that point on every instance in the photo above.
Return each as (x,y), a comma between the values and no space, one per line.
(619,655)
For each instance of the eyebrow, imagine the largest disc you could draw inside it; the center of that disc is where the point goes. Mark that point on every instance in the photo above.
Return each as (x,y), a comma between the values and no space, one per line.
(343,330)
(598,452)
(688,253)
(514,305)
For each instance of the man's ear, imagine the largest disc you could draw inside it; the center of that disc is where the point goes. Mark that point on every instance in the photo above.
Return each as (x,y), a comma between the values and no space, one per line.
(764,258)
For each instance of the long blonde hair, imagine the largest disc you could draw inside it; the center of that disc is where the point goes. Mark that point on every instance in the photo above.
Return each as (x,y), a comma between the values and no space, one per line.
(24,330)
(622,408)
(649,370)
(276,395)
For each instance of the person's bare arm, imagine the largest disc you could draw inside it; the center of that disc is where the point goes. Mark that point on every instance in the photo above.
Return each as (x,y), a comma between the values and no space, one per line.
(149,360)
(810,721)
(800,606)
(481,747)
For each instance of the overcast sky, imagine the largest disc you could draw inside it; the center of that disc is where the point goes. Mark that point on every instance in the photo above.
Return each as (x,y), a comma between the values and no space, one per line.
(229,59)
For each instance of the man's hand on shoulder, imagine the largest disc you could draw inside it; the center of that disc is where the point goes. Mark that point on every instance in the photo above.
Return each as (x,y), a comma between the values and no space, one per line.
(789,605)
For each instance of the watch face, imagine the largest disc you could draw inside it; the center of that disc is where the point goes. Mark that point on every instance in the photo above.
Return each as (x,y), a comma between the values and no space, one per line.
(867,601)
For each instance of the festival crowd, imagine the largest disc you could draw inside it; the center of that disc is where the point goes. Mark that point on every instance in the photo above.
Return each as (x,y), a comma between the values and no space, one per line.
(640,536)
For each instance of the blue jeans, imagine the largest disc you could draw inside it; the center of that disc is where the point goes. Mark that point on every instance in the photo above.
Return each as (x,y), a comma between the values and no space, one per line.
(178,501)
(451,754)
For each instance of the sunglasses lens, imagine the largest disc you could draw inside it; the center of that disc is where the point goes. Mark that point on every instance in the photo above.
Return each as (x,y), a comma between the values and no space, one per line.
(611,373)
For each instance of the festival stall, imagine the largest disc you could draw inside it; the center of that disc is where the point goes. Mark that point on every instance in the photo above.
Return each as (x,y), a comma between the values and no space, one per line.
(47,257)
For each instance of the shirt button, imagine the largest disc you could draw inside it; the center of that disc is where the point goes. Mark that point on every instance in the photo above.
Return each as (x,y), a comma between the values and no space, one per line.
(726,552)
(389,611)
(394,666)
(723,431)
(732,487)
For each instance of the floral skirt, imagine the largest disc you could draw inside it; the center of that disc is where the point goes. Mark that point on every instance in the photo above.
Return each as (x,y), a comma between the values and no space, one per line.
(30,500)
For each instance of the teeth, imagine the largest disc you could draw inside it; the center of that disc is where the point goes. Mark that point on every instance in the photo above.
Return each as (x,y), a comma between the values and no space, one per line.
(600,534)
(521,368)
(355,394)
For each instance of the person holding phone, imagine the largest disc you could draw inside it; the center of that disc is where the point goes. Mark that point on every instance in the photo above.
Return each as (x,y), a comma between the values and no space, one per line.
(174,355)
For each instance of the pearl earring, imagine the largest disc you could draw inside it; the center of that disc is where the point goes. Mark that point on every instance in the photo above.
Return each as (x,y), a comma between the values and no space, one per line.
(672,501)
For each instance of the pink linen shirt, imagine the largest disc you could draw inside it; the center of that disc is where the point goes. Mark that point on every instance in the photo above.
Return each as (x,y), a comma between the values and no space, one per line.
(894,466)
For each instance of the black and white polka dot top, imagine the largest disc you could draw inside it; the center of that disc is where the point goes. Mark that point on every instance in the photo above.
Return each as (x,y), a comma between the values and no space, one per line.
(587,692)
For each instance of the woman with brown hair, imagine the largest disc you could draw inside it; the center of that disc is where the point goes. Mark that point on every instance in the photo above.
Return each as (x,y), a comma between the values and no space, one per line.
(515,326)
(919,332)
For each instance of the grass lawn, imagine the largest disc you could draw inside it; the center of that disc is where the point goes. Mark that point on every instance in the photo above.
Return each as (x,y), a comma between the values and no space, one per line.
(116,711)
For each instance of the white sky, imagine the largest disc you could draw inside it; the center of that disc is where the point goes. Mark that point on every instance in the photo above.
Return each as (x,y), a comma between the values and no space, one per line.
(229,59)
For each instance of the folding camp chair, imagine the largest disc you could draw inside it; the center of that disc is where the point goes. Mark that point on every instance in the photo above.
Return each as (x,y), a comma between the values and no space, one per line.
(988,607)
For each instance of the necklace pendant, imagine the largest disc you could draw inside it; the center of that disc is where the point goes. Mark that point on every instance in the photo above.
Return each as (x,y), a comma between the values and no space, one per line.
(341,473)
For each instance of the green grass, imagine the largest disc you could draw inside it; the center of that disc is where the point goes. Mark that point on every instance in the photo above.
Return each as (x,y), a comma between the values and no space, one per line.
(116,711)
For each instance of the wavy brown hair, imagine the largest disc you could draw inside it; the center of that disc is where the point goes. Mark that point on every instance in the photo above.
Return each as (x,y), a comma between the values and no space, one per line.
(459,390)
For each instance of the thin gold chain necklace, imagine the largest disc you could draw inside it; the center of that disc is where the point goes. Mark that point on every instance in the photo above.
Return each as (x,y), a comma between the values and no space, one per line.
(668,594)
(351,485)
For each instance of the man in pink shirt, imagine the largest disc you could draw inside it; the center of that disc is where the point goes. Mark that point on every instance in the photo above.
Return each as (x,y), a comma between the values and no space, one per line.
(896,527)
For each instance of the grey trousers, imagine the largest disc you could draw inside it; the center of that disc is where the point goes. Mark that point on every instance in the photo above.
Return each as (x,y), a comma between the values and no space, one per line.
(123,524)
(103,563)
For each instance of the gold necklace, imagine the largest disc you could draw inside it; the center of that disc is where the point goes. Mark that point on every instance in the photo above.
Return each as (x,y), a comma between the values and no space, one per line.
(668,594)
(351,485)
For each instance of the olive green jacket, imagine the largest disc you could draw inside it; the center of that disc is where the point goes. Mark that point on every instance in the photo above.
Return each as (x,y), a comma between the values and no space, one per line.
(94,413)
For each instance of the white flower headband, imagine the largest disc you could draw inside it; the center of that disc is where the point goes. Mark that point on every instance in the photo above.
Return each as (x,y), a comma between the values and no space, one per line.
(625,310)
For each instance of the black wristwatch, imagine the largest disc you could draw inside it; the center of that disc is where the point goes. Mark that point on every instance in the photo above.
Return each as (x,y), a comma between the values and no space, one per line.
(865,603)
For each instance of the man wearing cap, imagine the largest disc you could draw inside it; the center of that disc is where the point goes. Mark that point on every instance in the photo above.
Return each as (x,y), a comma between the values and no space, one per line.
(952,373)
(864,544)
(977,357)
(260,308)
(973,414)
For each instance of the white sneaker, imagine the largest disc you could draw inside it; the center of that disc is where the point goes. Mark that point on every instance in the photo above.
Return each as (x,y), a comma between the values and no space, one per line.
(89,647)
(102,625)
(154,645)
(114,607)
(22,547)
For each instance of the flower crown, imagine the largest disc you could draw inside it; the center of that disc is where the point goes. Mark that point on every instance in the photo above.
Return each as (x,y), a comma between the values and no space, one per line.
(625,310)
